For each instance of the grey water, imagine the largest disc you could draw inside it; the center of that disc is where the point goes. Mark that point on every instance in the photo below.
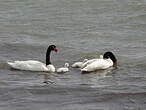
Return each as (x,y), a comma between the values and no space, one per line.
(80,29)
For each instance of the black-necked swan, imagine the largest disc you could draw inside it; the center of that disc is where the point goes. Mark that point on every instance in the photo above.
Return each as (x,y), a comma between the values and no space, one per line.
(79,64)
(33,65)
(63,69)
(107,61)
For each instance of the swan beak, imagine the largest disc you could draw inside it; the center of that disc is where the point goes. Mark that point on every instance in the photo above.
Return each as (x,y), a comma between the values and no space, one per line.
(56,49)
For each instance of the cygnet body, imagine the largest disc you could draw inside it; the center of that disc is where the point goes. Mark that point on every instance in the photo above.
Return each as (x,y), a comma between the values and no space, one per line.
(63,69)
(79,64)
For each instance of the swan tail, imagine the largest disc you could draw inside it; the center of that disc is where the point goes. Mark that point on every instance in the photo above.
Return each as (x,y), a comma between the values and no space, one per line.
(10,63)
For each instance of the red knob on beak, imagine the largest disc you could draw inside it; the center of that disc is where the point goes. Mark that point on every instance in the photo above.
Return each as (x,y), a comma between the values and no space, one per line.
(56,49)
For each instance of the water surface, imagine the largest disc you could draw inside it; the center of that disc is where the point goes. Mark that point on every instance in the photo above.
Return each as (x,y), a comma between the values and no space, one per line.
(81,29)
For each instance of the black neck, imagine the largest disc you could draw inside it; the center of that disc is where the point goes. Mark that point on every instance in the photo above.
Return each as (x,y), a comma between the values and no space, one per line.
(111,56)
(48,56)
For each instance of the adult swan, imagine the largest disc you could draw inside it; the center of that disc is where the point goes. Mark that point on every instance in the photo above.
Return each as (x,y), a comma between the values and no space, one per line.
(107,61)
(32,65)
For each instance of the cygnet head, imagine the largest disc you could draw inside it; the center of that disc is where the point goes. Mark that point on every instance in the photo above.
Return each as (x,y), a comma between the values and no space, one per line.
(66,65)
(101,56)
(111,56)
(85,60)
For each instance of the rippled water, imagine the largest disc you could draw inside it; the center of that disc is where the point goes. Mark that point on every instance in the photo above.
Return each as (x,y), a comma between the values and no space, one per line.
(81,29)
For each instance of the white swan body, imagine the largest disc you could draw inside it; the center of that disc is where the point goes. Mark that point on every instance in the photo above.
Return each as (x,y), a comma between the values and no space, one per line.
(97,64)
(32,65)
(63,69)
(79,64)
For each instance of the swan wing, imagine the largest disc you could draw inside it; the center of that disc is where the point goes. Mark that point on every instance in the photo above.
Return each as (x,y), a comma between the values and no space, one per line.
(30,65)
(51,68)
(88,62)
(97,65)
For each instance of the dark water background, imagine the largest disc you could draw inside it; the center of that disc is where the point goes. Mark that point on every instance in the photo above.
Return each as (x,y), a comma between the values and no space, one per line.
(81,29)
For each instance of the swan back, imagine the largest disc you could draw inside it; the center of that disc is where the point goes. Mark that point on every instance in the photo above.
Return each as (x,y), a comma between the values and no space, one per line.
(87,62)
(98,64)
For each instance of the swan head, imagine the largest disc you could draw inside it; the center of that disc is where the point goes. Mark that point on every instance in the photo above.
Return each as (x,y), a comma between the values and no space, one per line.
(111,56)
(53,48)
